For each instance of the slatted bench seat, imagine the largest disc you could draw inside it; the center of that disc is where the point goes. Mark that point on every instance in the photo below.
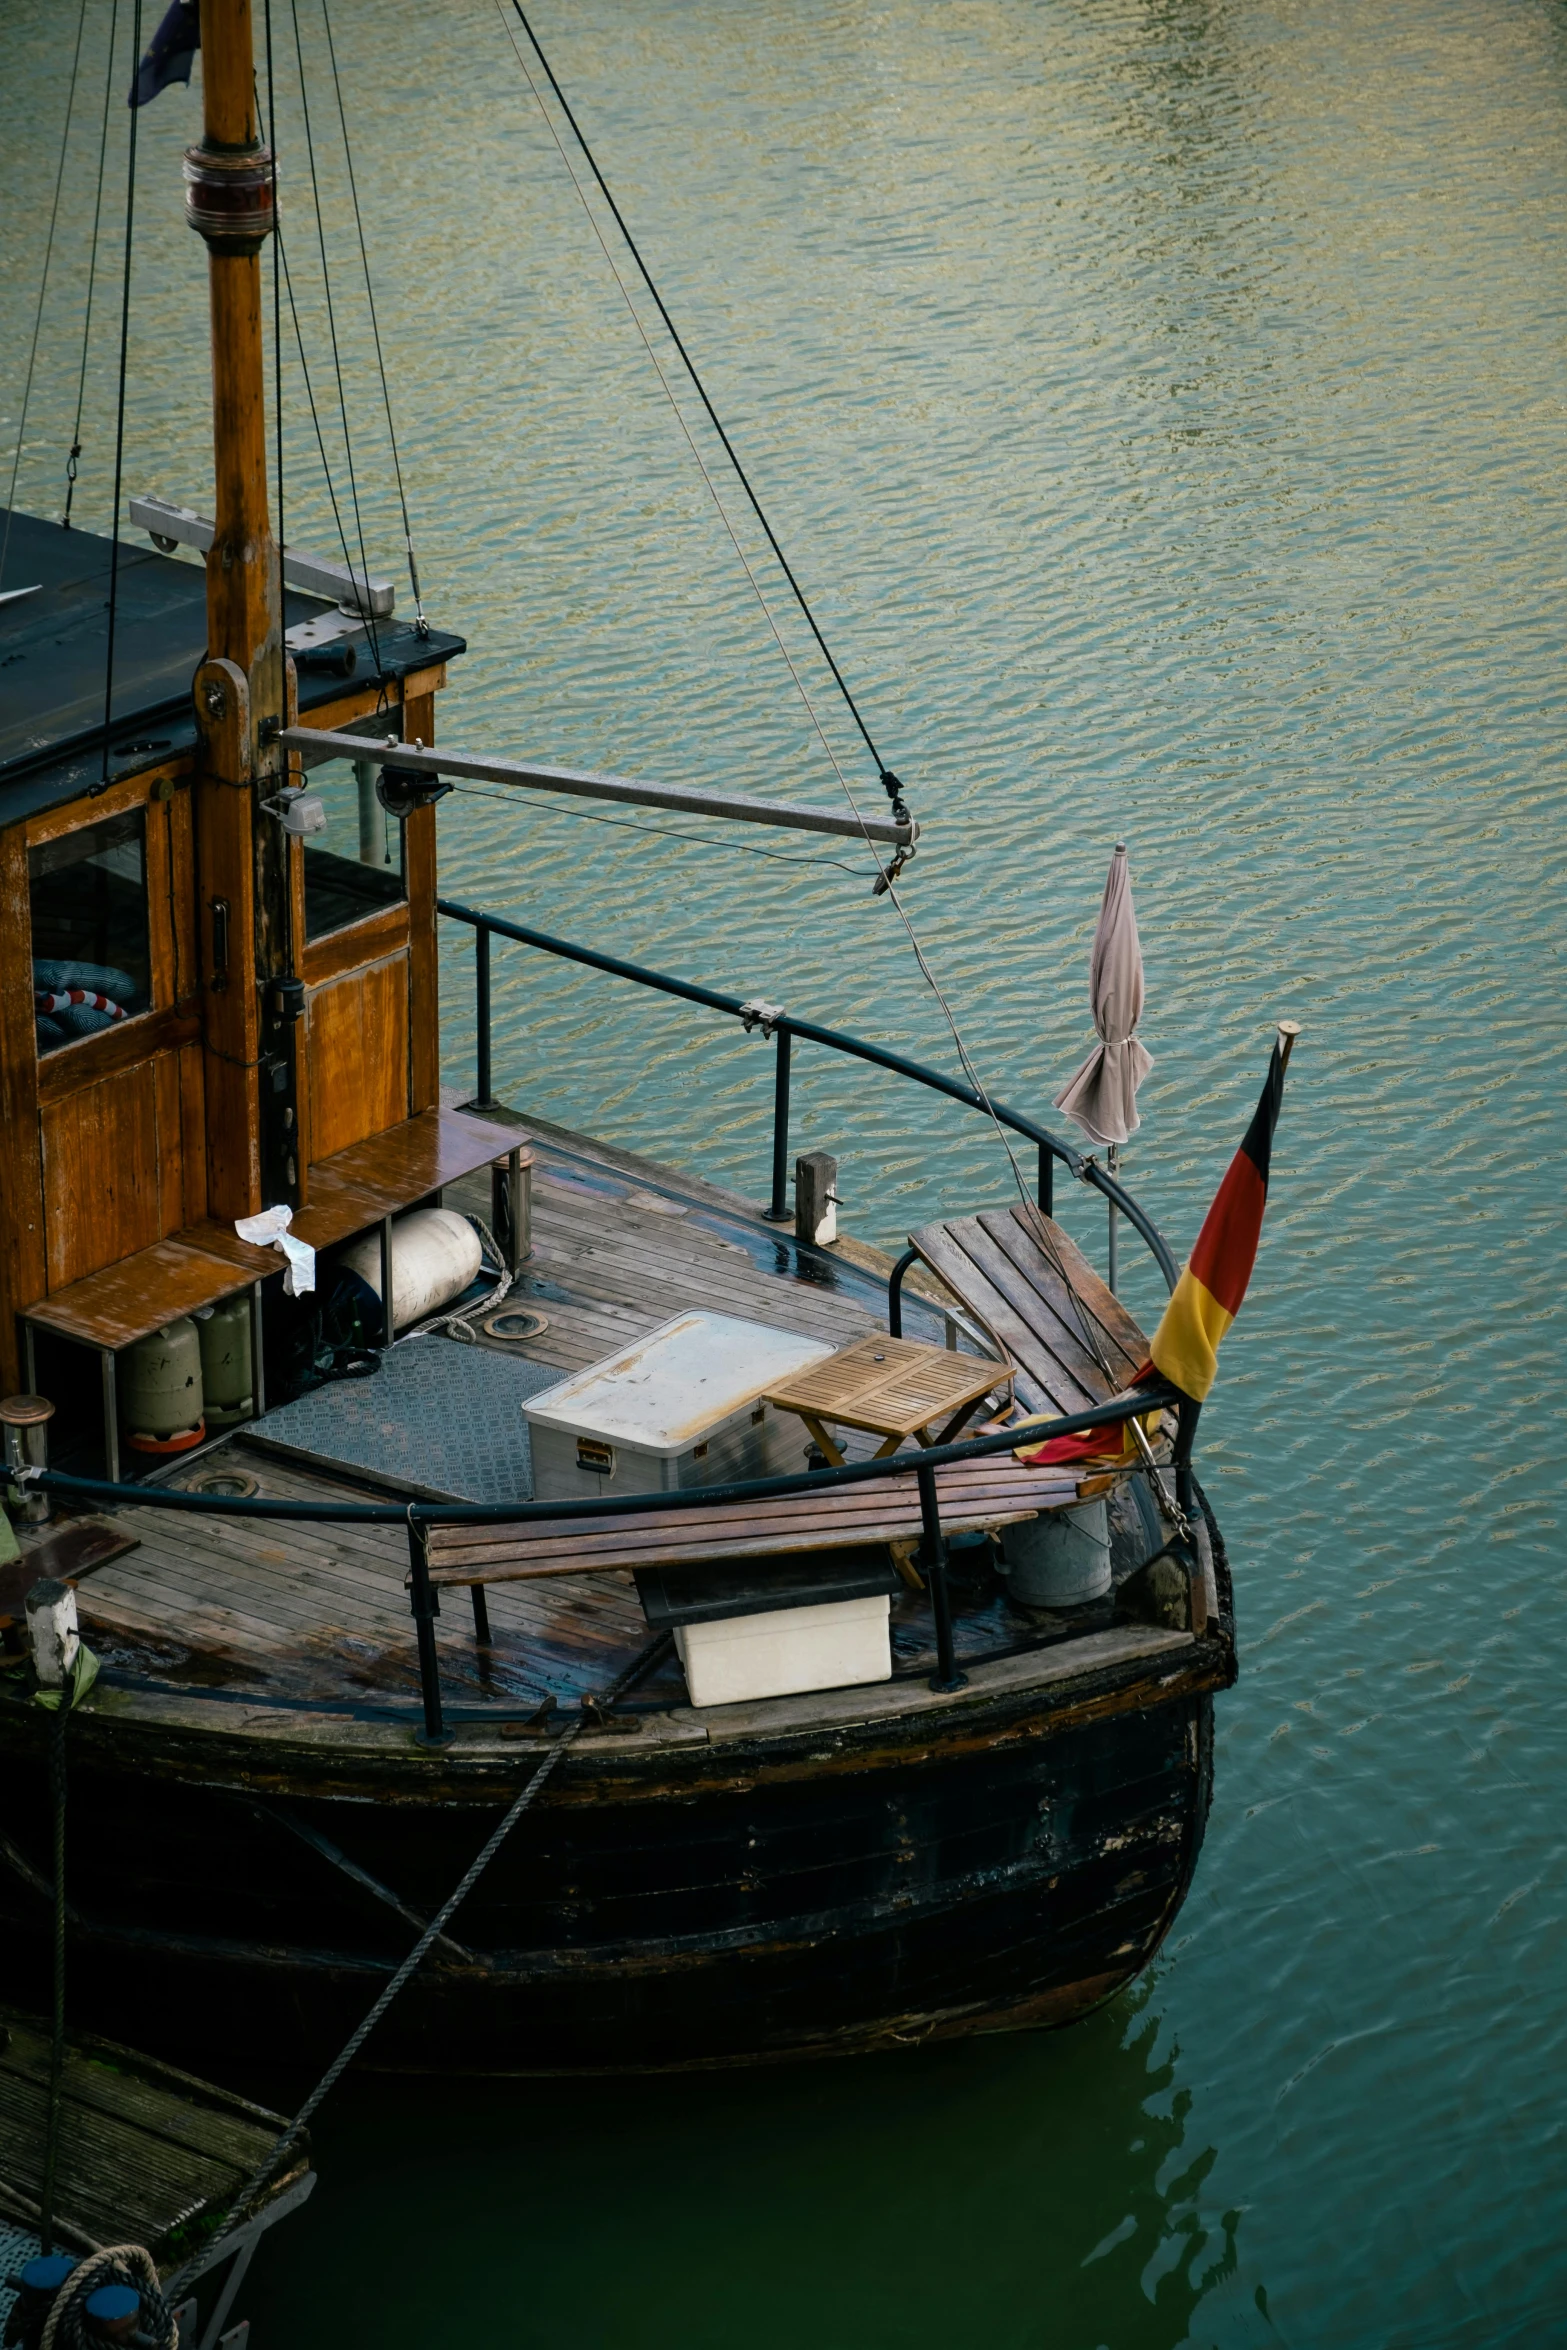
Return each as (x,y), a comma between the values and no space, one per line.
(1011,1267)
(365,1185)
(973,1496)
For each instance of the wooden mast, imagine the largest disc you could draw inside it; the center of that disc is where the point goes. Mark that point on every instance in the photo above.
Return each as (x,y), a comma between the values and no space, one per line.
(251,998)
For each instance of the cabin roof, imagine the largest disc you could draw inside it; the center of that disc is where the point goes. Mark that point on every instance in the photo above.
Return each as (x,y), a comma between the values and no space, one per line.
(53,646)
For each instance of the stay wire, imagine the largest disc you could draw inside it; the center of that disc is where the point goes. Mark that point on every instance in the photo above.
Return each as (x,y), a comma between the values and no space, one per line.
(888,779)
(72,463)
(679,416)
(119,417)
(337,359)
(310,397)
(277,293)
(43,286)
(886,876)
(420,621)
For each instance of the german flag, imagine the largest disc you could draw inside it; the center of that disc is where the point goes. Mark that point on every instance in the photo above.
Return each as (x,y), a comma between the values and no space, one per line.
(1207,1298)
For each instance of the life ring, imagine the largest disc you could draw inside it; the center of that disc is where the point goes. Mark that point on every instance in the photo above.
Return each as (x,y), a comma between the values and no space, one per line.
(60,1000)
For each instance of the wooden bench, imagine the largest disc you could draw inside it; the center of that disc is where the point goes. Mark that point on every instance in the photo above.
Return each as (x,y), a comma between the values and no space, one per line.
(973,1497)
(1033,1291)
(357,1189)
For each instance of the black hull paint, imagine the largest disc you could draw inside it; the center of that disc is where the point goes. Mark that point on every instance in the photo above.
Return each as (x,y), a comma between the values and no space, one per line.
(716,1905)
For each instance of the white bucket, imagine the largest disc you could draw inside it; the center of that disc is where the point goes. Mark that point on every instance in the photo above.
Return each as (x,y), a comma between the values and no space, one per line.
(435,1254)
(1059,1559)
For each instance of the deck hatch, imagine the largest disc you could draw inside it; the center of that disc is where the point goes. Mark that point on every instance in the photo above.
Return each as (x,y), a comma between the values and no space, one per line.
(438,1419)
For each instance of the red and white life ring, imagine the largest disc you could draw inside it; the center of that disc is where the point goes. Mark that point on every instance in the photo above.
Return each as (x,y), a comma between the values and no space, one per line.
(46,1001)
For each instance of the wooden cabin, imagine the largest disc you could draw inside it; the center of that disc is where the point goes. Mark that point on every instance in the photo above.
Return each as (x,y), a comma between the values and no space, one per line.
(259,1009)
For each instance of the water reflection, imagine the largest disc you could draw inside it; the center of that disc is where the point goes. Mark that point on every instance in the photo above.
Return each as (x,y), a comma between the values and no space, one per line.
(1030,2191)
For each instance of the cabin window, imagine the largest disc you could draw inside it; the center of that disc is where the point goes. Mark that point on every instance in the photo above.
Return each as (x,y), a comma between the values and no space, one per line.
(354,867)
(91,965)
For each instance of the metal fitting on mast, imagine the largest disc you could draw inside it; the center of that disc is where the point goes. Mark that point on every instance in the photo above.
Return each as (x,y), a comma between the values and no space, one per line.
(228,197)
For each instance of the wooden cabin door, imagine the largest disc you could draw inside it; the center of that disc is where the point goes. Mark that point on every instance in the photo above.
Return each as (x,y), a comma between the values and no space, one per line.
(104,960)
(364,903)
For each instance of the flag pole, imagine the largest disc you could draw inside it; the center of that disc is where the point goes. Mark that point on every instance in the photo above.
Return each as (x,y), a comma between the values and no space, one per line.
(1114,1251)
(1288,1031)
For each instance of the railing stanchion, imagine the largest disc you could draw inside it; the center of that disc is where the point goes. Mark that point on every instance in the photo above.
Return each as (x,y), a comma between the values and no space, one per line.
(426,1603)
(1186,1502)
(778,1212)
(481,996)
(933,1566)
(1047,1191)
(909,1257)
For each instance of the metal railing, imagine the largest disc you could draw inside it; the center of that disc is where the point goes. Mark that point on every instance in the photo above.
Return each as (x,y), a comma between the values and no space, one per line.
(418,1517)
(784,1027)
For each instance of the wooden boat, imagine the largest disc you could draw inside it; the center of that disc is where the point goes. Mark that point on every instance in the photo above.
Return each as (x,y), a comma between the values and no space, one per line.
(282,1771)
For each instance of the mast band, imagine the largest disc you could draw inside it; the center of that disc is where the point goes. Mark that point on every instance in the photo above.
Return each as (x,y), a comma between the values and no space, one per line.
(228,198)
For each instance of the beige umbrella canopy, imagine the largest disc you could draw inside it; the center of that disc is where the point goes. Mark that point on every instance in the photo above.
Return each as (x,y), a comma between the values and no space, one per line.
(1102,1097)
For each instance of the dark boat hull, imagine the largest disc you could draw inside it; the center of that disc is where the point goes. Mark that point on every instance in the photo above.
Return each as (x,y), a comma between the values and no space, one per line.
(1010,1864)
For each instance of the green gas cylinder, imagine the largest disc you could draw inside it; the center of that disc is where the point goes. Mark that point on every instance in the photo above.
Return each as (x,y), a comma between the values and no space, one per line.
(226,1377)
(161,1395)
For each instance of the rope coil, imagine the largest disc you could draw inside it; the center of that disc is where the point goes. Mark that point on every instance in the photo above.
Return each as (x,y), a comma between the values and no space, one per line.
(66,2326)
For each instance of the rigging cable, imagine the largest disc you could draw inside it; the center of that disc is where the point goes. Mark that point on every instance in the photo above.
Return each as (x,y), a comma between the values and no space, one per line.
(889,781)
(43,285)
(119,418)
(337,361)
(887,875)
(420,622)
(277,302)
(315,416)
(72,462)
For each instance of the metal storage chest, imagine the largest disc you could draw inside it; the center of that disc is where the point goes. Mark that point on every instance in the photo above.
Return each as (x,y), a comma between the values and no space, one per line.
(679,1407)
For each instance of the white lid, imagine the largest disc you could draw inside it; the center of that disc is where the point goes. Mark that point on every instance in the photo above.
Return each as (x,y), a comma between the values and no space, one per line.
(667,1391)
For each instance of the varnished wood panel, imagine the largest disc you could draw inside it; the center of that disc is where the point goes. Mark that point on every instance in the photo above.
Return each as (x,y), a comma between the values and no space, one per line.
(123,1302)
(182,898)
(132,791)
(424,1014)
(93,1058)
(100,1160)
(388,1171)
(193,1132)
(357,944)
(170,1143)
(22,1257)
(418,686)
(358,1056)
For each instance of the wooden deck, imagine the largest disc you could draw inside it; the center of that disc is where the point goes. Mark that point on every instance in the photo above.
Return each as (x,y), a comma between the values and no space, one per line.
(318,1614)
(147,2154)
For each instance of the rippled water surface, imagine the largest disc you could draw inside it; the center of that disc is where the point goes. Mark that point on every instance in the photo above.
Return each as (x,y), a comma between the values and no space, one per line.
(1164,405)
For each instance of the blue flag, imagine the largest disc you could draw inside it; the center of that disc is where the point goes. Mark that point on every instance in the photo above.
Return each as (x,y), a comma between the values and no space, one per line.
(169,52)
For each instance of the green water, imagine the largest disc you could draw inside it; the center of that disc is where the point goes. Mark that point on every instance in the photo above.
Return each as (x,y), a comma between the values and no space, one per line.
(1165,405)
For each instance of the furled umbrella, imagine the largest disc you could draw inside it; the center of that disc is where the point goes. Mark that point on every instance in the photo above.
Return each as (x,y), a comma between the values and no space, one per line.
(1102,1096)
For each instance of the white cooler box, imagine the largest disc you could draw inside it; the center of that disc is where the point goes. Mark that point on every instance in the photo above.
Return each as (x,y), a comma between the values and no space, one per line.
(772,1627)
(838,1646)
(680,1407)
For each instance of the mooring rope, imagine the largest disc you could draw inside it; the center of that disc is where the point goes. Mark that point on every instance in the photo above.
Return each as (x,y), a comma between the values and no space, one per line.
(118,2264)
(560,1746)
